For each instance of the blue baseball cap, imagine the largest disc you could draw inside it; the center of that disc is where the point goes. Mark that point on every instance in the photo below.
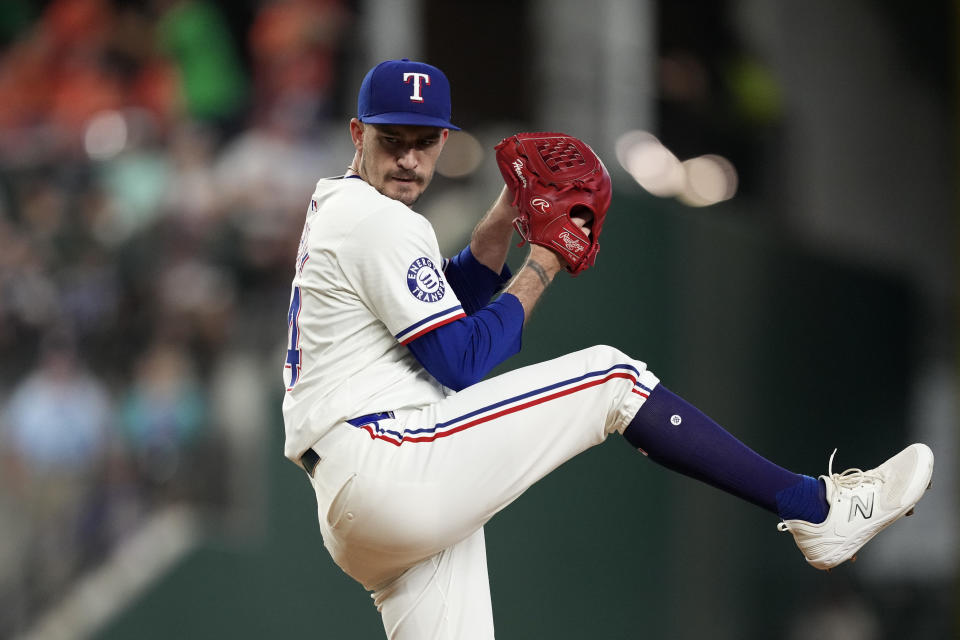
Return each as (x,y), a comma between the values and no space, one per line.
(405,92)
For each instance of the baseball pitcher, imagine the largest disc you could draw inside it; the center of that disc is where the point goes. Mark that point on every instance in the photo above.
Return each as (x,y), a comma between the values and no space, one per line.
(410,449)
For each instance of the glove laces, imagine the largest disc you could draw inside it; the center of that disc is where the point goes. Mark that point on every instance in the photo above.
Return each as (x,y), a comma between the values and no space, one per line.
(570,186)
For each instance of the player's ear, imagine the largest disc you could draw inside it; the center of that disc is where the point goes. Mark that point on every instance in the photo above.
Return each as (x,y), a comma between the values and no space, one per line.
(356,133)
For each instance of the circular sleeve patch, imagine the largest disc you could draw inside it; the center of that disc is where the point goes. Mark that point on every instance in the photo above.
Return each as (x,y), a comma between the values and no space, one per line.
(424,281)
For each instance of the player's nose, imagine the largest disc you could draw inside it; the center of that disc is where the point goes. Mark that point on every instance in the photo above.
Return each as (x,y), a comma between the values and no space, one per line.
(408,159)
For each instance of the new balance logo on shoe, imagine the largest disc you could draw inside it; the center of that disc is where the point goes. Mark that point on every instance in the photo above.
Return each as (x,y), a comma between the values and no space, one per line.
(857,505)
(871,500)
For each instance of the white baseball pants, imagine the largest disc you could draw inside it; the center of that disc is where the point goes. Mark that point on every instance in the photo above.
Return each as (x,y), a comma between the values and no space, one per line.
(402,501)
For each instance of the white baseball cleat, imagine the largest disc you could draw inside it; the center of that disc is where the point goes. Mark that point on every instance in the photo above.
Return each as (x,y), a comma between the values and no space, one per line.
(862,504)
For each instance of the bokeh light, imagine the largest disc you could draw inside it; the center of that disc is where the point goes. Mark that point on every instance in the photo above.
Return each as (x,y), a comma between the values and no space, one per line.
(105,135)
(462,155)
(697,182)
(710,179)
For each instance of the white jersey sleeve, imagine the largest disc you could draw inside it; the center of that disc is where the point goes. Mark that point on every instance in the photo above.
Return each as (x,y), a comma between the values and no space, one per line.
(393,262)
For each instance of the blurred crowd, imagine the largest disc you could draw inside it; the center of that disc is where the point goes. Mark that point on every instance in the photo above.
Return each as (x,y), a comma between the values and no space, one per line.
(155,158)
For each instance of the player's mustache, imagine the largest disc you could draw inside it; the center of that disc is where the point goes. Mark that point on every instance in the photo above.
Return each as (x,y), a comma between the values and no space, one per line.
(406,175)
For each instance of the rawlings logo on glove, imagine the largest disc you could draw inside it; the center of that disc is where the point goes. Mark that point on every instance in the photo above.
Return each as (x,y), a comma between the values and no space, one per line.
(553,177)
(539,204)
(572,243)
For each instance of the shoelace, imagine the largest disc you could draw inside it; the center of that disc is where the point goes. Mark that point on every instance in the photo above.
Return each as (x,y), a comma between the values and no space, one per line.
(851,478)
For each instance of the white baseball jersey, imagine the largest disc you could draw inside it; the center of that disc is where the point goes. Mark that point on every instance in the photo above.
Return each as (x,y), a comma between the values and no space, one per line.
(402,496)
(368,280)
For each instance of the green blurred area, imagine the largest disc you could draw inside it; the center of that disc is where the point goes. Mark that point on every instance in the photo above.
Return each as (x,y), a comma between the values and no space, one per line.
(793,353)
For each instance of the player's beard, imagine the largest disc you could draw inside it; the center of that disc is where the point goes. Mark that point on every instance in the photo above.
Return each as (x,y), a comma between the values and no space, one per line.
(410,190)
(407,192)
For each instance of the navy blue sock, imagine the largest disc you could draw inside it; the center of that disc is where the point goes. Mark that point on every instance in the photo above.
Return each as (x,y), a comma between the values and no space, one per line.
(806,500)
(677,435)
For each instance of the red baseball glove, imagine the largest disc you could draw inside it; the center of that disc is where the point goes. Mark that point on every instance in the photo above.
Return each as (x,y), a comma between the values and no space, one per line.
(554,176)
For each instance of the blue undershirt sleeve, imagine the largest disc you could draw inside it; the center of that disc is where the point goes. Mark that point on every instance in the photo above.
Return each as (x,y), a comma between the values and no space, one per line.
(473,282)
(461,353)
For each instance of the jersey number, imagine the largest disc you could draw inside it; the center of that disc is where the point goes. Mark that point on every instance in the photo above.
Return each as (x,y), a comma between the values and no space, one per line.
(293,338)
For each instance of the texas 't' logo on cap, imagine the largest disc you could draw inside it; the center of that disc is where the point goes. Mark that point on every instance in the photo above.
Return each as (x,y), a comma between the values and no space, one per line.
(417,79)
(405,92)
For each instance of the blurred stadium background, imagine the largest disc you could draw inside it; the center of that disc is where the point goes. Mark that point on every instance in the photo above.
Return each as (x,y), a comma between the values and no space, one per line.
(781,250)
